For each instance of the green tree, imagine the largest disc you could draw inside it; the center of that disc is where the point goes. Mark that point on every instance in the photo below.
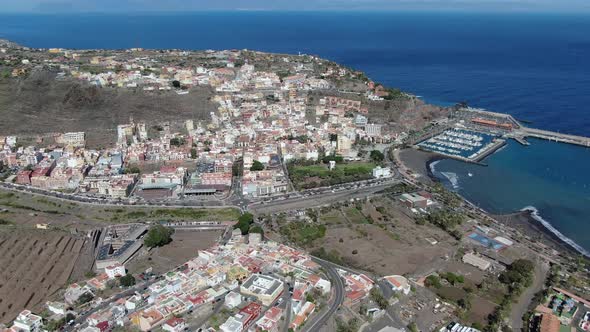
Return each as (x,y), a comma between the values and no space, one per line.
(378,297)
(520,272)
(377,156)
(176,84)
(132,169)
(70,317)
(256,229)
(257,166)
(432,281)
(177,141)
(55,325)
(127,281)
(158,236)
(244,222)
(193,153)
(85,298)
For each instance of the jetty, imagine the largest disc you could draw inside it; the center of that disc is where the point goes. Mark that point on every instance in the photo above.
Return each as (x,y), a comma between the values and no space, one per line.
(553,136)
(508,127)
(521,140)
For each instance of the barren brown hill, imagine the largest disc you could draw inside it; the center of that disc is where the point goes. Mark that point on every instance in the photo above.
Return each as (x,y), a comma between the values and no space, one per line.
(39,104)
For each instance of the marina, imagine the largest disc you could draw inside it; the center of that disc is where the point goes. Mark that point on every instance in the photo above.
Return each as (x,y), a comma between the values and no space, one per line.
(462,144)
(477,133)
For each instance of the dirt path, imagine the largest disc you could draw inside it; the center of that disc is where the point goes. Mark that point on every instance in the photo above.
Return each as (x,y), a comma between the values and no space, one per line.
(520,308)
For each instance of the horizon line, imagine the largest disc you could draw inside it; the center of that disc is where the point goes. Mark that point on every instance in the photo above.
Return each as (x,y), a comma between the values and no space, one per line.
(545,11)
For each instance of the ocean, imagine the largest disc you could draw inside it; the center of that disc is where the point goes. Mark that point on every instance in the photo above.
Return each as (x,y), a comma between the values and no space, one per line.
(549,178)
(533,66)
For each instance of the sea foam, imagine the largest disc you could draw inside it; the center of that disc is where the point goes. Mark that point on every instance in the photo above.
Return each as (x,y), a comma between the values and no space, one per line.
(535,214)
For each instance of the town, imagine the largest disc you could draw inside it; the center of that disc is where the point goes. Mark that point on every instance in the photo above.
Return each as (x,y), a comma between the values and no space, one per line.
(290,202)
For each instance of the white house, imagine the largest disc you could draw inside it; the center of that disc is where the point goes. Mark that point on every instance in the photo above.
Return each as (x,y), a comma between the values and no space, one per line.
(57,308)
(28,321)
(233,299)
(133,302)
(379,172)
(398,283)
(115,270)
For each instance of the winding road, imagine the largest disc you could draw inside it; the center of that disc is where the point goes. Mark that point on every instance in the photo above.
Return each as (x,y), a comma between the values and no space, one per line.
(319,320)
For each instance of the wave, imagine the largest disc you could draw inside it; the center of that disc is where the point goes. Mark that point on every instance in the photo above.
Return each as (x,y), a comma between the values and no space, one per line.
(432,166)
(453,178)
(535,214)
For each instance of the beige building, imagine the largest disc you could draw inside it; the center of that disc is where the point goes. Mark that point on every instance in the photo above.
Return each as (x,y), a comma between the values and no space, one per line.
(476,261)
(263,287)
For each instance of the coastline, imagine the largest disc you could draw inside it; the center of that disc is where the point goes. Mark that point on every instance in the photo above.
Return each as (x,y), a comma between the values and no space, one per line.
(525,220)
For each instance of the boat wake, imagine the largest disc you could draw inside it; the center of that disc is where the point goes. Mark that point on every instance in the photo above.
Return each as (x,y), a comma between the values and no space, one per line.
(535,214)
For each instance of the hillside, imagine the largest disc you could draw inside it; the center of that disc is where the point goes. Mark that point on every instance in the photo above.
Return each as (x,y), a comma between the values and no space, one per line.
(39,104)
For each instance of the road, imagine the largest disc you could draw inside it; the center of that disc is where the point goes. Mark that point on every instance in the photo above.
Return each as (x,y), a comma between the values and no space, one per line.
(113,203)
(311,200)
(320,319)
(82,319)
(287,303)
(521,307)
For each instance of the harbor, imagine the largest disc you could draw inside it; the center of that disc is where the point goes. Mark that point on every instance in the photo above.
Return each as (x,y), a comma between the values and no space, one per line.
(475,134)
(462,144)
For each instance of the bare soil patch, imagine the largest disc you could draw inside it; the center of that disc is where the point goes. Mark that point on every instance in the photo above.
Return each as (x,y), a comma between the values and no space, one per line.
(184,246)
(35,265)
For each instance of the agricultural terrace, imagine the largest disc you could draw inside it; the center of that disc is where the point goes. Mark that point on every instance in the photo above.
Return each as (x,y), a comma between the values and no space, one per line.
(36,264)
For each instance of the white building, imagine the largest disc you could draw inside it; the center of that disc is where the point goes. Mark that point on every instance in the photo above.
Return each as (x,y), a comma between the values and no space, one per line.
(133,302)
(28,321)
(233,299)
(115,270)
(380,172)
(264,287)
(373,130)
(57,308)
(73,138)
(233,324)
(398,283)
(456,327)
(90,329)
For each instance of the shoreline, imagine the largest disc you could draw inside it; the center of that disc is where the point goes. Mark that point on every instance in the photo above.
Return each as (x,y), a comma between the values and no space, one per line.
(525,221)
(532,228)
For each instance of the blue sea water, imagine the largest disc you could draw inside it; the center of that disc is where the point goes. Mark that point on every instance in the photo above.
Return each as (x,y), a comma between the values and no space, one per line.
(533,66)
(550,178)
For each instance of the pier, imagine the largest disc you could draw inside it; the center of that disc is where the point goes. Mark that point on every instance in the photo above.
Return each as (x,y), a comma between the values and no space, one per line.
(553,136)
(509,127)
(497,145)
(521,140)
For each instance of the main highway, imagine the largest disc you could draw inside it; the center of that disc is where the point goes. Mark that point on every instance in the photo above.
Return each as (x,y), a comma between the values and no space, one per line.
(309,199)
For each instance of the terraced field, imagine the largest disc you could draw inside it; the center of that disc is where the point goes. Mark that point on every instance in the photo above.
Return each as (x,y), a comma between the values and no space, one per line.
(34,265)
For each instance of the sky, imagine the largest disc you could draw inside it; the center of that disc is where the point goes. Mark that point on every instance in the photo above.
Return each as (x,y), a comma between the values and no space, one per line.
(130,6)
